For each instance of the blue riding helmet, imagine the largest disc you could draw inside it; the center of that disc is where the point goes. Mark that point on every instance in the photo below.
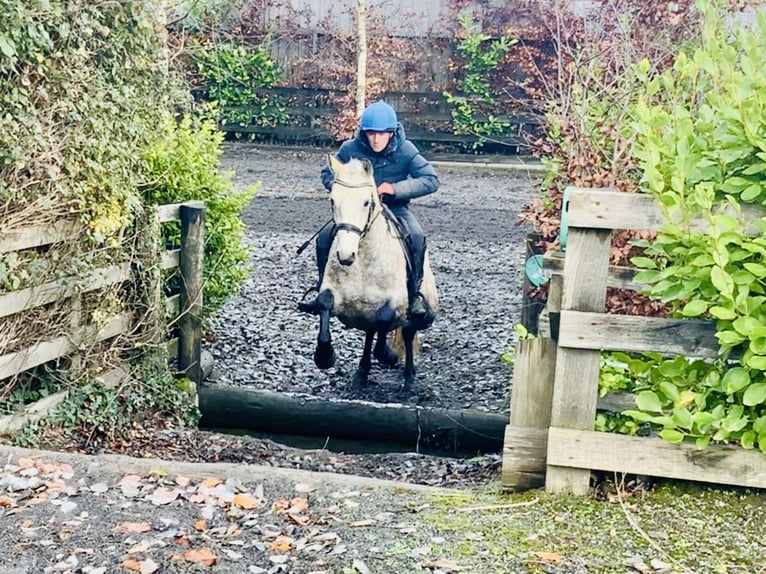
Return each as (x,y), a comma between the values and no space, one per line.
(379,117)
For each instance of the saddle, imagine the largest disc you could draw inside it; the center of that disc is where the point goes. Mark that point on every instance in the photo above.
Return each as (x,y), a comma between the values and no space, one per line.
(404,234)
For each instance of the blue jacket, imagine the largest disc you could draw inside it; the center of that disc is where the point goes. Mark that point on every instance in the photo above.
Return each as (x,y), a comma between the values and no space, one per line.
(400,164)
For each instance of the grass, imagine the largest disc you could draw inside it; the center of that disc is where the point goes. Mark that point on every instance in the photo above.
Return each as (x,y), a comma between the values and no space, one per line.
(674,527)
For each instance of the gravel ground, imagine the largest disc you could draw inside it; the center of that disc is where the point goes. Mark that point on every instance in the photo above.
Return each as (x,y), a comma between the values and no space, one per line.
(477,251)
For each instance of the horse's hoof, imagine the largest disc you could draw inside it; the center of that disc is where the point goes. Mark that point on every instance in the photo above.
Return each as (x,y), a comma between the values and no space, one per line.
(387,358)
(360,380)
(410,387)
(324,357)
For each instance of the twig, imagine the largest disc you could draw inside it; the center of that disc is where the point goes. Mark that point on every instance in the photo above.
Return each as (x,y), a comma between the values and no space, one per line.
(634,525)
(498,506)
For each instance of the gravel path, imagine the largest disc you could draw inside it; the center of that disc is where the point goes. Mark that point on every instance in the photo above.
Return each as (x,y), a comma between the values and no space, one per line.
(477,251)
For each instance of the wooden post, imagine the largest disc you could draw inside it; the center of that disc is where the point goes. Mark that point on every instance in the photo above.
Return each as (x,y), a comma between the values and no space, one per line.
(527,434)
(191,267)
(575,389)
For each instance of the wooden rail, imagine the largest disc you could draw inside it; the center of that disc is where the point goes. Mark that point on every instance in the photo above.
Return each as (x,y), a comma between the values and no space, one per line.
(184,308)
(577,294)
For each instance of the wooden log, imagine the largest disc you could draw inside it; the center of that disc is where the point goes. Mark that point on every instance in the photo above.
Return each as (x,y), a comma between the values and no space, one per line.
(191,266)
(228,407)
(531,397)
(719,464)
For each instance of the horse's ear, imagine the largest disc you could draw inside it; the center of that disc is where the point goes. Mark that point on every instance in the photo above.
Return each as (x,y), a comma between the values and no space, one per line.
(333,162)
(367,165)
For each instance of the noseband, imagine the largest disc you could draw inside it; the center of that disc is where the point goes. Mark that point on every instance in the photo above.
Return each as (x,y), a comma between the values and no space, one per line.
(350,226)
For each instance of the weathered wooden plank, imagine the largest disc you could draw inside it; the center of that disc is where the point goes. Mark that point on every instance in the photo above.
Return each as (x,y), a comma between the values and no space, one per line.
(531,396)
(575,389)
(170,258)
(38,235)
(169,212)
(24,299)
(611,209)
(524,451)
(173,306)
(688,337)
(619,276)
(720,464)
(14,363)
(192,284)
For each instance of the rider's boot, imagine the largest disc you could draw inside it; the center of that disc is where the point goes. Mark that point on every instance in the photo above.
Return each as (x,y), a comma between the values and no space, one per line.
(323,254)
(418,308)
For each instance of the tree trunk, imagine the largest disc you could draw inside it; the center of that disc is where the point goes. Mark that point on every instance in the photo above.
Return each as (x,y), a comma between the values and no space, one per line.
(361,62)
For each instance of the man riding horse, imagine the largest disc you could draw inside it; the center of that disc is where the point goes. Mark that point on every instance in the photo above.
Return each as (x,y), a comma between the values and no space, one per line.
(401,174)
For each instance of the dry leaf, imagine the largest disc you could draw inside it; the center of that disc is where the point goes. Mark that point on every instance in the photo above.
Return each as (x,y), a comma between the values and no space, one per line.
(163,496)
(181,541)
(133,527)
(282,543)
(298,505)
(246,501)
(149,566)
(299,519)
(182,480)
(204,555)
(211,482)
(132,565)
(7,501)
(200,525)
(552,557)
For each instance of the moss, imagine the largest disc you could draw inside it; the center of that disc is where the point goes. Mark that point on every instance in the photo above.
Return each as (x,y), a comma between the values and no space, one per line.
(692,527)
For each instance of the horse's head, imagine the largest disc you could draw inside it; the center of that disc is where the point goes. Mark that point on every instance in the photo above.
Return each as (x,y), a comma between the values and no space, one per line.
(354,199)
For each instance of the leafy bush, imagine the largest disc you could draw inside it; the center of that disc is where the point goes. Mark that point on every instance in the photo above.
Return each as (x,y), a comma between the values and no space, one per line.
(699,141)
(183,165)
(235,76)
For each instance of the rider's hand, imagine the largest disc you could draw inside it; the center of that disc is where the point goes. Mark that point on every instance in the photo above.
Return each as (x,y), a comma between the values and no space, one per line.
(386,189)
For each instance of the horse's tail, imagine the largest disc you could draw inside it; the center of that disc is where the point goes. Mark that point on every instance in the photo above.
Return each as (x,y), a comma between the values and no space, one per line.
(396,342)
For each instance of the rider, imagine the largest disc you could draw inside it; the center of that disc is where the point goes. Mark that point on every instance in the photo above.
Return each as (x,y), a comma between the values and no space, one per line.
(401,174)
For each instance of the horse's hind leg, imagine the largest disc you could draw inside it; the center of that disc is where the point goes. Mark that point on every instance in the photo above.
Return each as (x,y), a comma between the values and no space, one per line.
(363,370)
(324,354)
(383,353)
(410,383)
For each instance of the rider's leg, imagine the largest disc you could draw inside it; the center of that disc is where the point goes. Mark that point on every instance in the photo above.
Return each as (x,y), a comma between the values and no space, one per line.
(416,243)
(323,244)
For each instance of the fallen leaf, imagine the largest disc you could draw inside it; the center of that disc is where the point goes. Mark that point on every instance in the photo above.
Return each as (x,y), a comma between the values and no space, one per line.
(163,496)
(211,482)
(200,525)
(360,566)
(133,527)
(132,565)
(7,501)
(246,501)
(304,488)
(149,566)
(299,519)
(552,557)
(204,555)
(182,480)
(282,543)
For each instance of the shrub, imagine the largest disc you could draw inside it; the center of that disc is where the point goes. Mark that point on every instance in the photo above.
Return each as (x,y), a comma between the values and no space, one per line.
(184,164)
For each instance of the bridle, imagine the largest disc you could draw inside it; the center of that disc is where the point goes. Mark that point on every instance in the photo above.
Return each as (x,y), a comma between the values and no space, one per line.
(371,215)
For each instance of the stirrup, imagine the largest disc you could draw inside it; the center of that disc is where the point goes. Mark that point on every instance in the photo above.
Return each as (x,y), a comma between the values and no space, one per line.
(311,306)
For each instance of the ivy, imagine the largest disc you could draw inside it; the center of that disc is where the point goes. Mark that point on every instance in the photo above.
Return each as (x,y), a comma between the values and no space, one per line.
(482,55)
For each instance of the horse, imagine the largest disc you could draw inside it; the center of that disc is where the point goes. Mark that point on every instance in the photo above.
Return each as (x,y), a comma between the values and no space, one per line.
(365,281)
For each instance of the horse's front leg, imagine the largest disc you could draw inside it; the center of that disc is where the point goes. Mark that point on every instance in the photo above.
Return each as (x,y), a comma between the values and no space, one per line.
(410,383)
(324,354)
(363,370)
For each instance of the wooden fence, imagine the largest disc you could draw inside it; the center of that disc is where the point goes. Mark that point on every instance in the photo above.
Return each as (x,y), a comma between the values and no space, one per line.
(555,383)
(183,308)
(426,117)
